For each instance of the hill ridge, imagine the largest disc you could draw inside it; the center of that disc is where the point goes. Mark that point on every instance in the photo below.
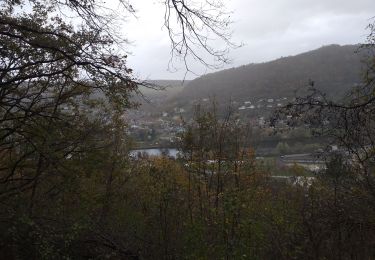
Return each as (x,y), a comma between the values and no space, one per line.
(334,68)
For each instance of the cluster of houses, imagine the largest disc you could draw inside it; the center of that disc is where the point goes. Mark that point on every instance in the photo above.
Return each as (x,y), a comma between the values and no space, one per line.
(162,126)
(154,130)
(263,103)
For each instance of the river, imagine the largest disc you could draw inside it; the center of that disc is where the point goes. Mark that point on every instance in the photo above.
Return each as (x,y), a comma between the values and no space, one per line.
(172,152)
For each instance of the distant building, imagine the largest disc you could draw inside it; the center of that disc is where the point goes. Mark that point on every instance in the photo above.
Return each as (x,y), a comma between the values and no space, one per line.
(261,121)
(334,147)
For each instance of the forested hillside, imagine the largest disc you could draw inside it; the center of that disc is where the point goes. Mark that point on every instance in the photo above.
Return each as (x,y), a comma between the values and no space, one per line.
(153,98)
(334,69)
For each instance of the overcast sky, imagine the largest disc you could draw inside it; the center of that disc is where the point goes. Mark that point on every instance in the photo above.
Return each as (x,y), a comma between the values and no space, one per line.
(268,29)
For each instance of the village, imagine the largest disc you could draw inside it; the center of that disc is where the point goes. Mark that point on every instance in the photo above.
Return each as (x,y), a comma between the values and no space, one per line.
(160,127)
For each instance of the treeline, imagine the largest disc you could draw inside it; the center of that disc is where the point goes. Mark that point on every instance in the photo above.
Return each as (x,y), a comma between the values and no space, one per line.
(213,202)
(335,69)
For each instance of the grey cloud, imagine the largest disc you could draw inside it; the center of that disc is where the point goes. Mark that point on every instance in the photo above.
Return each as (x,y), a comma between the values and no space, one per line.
(269,29)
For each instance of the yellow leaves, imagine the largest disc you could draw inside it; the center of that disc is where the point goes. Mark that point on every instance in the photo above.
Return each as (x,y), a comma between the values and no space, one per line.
(250,153)
(298,170)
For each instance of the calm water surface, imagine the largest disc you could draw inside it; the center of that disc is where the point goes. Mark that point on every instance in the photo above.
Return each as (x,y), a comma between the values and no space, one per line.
(155,152)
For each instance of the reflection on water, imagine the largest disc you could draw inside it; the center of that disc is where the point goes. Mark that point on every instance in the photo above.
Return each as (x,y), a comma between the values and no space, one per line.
(172,152)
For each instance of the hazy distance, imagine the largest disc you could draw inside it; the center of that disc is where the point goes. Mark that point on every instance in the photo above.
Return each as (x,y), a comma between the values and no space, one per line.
(267,30)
